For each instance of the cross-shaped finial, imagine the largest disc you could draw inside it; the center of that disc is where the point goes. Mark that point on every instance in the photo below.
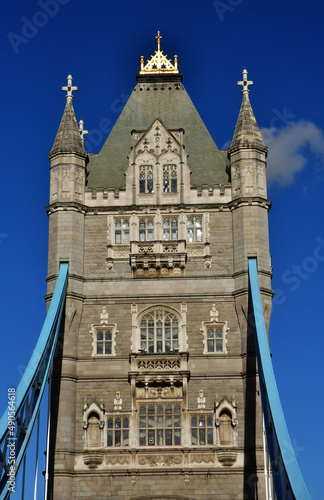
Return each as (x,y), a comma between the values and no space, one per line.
(158,37)
(81,130)
(69,88)
(245,83)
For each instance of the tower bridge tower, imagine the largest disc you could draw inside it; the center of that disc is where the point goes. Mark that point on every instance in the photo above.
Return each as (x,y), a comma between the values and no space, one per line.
(155,386)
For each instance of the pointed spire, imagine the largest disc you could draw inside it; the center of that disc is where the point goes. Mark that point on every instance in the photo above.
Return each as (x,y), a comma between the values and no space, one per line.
(68,138)
(247,133)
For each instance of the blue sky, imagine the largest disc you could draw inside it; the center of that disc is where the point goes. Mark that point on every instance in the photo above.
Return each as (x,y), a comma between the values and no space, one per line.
(100,44)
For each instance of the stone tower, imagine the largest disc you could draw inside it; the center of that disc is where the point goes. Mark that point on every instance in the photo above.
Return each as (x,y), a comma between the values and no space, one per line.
(155,387)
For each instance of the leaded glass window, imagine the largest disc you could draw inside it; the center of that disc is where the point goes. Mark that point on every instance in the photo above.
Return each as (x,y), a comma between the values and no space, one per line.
(122,231)
(170,228)
(146,179)
(215,340)
(118,431)
(194,229)
(146,229)
(202,429)
(170,179)
(159,332)
(160,425)
(104,341)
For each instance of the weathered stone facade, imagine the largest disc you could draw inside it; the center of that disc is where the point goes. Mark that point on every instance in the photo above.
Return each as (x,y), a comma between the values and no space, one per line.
(155,389)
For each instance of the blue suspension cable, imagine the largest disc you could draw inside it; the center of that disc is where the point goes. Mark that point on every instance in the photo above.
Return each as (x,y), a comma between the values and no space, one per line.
(30,391)
(287,478)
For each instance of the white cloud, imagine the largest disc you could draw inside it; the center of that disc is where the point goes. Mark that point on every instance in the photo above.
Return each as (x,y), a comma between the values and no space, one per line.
(288,148)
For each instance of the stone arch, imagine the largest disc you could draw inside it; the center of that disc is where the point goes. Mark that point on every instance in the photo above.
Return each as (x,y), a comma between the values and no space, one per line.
(225,428)
(178,322)
(93,429)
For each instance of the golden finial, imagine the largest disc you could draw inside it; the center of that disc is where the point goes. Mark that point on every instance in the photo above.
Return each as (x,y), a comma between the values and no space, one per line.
(159,38)
(159,63)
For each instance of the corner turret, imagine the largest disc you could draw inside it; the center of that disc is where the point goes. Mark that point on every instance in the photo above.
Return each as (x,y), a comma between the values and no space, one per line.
(68,160)
(247,152)
(250,206)
(68,157)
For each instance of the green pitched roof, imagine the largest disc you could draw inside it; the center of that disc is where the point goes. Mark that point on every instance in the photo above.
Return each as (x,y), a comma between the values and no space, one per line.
(167,100)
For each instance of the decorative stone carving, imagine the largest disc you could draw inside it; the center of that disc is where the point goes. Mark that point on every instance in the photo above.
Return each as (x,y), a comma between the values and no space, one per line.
(171,248)
(118,402)
(110,264)
(214,344)
(104,317)
(117,459)
(145,248)
(159,364)
(79,176)
(92,459)
(146,199)
(159,392)
(213,313)
(227,457)
(201,400)
(160,460)
(202,458)
(104,327)
(162,258)
(118,254)
(196,251)
(208,262)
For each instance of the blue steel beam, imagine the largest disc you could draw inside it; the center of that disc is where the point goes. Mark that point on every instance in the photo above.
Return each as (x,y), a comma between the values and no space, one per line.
(31,388)
(287,478)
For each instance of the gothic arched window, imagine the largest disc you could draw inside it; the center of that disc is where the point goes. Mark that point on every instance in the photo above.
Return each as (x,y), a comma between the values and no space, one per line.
(146,179)
(159,331)
(170,179)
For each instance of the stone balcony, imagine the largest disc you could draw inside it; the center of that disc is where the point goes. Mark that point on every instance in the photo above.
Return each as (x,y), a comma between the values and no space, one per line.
(151,259)
(158,258)
(159,375)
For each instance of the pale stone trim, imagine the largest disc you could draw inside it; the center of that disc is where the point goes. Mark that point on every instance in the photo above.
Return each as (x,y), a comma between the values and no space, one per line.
(214,322)
(182,321)
(230,406)
(105,326)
